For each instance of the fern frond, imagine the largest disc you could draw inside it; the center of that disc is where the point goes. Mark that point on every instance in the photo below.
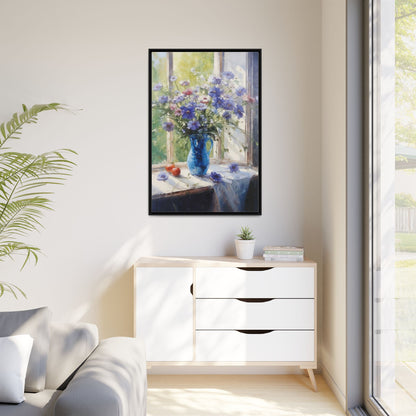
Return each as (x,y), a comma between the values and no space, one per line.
(11,248)
(21,201)
(13,289)
(25,188)
(12,128)
(22,216)
(32,171)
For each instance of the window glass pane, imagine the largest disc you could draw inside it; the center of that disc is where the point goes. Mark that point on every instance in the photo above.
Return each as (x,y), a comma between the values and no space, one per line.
(175,71)
(394,207)
(236,141)
(159,76)
(185,65)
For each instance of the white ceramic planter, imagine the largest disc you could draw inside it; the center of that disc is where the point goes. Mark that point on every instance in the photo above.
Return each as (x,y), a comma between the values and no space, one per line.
(245,249)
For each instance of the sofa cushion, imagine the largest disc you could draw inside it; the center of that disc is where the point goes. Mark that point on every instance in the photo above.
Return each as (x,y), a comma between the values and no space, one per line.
(36,404)
(70,346)
(34,322)
(111,382)
(14,358)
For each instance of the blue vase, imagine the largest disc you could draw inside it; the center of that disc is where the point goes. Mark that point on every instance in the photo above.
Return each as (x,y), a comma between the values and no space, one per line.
(198,157)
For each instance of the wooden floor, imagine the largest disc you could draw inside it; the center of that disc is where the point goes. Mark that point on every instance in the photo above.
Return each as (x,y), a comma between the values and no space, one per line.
(403,400)
(235,395)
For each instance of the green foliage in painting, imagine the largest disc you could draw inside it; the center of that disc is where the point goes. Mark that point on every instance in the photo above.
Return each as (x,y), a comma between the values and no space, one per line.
(405,22)
(181,148)
(158,139)
(183,62)
(25,188)
(208,105)
(201,63)
(159,75)
(159,67)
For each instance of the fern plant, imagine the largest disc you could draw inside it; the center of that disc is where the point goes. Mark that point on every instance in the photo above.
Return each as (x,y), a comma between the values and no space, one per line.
(25,181)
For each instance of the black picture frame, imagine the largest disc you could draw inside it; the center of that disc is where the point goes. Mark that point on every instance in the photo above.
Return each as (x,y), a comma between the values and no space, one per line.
(229,190)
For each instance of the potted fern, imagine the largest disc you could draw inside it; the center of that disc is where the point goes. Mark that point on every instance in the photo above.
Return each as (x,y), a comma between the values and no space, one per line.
(25,189)
(245,243)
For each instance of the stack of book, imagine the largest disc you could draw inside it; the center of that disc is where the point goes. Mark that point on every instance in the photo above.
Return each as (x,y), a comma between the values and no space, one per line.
(278,253)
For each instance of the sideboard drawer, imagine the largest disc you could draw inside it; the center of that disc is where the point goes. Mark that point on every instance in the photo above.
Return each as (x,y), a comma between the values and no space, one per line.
(237,314)
(234,346)
(277,282)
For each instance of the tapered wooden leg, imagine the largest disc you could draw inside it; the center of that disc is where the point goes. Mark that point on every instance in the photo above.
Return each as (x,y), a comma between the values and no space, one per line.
(312,378)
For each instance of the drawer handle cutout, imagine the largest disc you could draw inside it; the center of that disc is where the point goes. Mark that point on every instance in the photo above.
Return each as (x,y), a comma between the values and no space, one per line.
(255,300)
(255,269)
(191,289)
(254,331)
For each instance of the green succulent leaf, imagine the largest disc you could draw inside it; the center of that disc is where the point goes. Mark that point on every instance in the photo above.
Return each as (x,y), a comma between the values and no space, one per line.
(245,234)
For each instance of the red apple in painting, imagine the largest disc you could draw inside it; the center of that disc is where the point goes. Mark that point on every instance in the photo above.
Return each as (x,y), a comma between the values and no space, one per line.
(169,167)
(175,171)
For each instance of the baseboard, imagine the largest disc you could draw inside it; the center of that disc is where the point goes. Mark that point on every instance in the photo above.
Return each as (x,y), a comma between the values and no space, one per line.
(334,387)
(182,370)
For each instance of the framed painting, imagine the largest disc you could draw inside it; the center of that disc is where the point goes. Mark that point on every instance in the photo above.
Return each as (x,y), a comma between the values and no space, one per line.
(205,131)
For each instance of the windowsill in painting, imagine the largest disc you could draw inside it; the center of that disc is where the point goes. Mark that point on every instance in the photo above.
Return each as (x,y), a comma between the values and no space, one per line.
(187,183)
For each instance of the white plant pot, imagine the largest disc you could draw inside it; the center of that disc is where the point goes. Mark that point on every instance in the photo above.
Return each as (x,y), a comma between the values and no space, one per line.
(245,249)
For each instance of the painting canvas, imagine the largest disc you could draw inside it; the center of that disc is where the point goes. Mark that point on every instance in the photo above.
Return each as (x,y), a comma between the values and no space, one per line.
(205,131)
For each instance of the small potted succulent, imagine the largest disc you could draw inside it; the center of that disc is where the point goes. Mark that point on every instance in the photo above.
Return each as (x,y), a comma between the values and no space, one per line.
(245,243)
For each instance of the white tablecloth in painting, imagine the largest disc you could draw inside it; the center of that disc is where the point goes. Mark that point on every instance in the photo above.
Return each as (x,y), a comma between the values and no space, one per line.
(231,191)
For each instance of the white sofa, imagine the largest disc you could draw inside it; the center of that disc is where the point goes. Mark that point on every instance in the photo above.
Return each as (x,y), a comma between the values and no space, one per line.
(84,377)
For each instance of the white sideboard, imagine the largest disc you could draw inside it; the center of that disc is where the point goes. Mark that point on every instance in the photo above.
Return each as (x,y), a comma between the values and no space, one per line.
(225,311)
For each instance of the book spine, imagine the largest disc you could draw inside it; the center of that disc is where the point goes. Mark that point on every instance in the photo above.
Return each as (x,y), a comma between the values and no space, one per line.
(283,248)
(282,258)
(284,252)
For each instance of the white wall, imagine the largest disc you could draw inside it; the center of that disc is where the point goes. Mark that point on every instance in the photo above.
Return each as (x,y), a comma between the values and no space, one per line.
(334,196)
(92,55)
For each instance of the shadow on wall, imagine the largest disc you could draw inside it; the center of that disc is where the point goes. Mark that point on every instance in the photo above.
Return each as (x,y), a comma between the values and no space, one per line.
(116,306)
(111,305)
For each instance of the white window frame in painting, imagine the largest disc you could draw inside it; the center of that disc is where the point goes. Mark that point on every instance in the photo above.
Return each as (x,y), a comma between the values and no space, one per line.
(219,66)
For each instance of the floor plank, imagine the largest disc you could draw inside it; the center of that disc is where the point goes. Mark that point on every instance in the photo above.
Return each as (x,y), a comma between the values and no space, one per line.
(237,395)
(406,379)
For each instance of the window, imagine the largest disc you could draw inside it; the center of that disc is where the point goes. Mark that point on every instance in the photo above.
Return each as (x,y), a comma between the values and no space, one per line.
(392,300)
(239,145)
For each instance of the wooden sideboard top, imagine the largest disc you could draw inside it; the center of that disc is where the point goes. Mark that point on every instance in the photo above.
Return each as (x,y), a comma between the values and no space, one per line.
(228,261)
